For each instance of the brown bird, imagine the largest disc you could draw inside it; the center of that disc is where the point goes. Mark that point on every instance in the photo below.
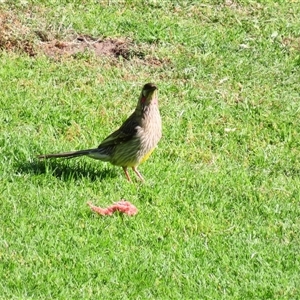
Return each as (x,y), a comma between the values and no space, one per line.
(134,141)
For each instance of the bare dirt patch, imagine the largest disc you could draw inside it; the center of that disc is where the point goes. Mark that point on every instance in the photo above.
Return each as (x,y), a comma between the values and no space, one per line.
(117,47)
(17,37)
(110,47)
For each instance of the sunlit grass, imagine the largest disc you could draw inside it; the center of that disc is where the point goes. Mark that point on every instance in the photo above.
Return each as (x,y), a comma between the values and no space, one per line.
(219,211)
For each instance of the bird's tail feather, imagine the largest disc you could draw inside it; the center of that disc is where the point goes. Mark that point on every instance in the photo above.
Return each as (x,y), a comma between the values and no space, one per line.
(67,154)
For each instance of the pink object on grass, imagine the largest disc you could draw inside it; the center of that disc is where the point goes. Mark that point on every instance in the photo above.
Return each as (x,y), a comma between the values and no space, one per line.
(123,206)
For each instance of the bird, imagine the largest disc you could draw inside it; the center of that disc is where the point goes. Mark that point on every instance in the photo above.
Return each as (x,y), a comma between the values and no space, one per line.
(133,142)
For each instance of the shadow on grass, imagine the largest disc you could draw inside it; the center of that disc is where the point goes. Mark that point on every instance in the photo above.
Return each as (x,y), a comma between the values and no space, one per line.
(64,171)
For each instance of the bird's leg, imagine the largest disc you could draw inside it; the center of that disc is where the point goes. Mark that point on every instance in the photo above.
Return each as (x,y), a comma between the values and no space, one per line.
(138,173)
(126,173)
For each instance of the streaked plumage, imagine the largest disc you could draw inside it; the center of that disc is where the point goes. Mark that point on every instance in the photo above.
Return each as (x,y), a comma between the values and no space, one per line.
(134,141)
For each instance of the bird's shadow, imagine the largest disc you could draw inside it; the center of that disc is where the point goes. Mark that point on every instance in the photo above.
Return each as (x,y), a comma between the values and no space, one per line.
(64,171)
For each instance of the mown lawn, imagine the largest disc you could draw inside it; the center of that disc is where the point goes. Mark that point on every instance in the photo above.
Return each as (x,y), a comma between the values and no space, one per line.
(219,211)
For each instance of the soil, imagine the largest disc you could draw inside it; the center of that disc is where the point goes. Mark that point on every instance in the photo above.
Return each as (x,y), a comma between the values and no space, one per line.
(16,37)
(83,43)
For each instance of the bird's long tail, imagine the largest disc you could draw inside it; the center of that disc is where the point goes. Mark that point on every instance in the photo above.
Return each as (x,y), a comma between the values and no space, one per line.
(68,154)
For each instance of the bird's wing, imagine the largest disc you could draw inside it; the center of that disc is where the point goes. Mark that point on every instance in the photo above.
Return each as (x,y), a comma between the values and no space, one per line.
(125,133)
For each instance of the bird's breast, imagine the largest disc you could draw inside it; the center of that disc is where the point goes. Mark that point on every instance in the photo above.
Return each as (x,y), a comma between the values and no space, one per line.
(150,133)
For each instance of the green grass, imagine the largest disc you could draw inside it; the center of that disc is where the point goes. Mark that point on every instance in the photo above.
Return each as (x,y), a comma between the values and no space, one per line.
(219,211)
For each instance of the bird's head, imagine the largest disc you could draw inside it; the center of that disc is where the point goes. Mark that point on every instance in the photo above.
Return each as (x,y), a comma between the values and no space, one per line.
(148,95)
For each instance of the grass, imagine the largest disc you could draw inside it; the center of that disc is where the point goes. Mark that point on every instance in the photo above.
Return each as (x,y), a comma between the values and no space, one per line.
(219,211)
